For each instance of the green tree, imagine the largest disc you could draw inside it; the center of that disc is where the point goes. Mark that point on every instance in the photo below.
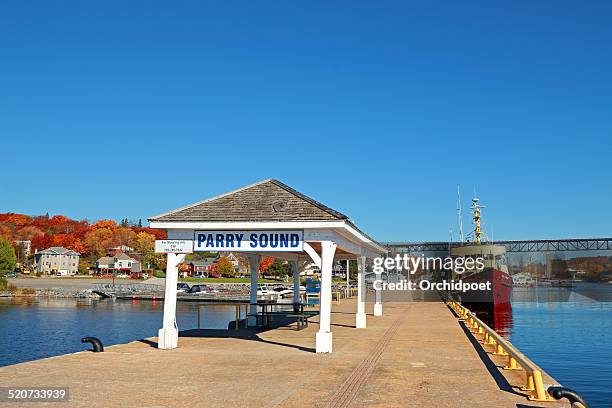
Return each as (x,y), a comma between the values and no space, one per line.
(278,269)
(353,269)
(8,259)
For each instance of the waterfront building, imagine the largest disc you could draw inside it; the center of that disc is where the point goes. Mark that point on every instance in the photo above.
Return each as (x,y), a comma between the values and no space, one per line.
(57,260)
(200,269)
(118,263)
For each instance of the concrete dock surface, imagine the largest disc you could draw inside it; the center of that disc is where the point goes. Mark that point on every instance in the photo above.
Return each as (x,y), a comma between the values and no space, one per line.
(416,355)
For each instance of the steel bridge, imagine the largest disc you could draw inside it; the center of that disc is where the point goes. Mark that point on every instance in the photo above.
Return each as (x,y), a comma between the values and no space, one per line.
(538,245)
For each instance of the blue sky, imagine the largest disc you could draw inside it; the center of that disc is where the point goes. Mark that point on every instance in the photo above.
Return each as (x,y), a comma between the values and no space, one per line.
(378,109)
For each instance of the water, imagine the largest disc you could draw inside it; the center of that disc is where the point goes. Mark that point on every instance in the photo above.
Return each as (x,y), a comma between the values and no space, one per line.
(566,332)
(31,329)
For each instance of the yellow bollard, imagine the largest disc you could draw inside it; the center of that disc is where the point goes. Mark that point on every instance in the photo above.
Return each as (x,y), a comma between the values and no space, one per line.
(511,364)
(499,351)
(540,393)
(529,385)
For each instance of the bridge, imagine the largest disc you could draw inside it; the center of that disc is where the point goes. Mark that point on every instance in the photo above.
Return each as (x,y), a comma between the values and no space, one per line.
(538,245)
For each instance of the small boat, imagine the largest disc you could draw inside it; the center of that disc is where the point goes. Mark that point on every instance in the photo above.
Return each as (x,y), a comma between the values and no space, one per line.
(523,280)
(264,290)
(283,291)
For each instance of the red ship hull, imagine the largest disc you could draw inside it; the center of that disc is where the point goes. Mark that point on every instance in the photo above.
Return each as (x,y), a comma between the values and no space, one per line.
(493,306)
(501,287)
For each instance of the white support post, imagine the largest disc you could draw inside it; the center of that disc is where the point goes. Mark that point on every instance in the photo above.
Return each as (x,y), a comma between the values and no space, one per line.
(254,261)
(295,267)
(348,263)
(168,334)
(324,338)
(378,304)
(360,318)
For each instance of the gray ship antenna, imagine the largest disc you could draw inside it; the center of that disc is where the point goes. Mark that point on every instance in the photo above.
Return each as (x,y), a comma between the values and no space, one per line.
(459,215)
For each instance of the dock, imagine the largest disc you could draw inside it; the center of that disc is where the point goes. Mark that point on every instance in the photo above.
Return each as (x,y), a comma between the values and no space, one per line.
(418,354)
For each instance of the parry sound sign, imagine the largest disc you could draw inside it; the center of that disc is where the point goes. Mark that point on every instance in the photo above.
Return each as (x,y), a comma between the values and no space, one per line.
(249,241)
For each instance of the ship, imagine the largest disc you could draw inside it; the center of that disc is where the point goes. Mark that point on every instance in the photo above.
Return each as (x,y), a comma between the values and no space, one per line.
(492,304)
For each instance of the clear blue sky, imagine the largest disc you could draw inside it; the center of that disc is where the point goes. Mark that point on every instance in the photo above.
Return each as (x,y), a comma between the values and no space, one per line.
(379,109)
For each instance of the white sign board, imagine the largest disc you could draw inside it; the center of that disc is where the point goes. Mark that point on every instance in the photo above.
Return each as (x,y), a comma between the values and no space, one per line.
(177,246)
(249,241)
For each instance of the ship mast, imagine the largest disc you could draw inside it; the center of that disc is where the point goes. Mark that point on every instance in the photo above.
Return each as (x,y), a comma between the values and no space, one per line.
(476,215)
(459,215)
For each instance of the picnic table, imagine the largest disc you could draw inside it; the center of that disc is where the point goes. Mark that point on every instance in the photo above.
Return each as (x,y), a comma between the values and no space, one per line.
(266,313)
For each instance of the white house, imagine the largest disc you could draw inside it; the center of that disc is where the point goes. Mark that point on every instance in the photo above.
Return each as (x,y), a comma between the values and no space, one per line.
(118,263)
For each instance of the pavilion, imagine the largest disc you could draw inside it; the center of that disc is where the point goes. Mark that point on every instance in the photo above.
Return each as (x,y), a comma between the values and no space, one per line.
(272,219)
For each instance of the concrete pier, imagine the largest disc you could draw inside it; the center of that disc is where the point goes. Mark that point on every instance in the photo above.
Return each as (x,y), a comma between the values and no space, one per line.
(416,354)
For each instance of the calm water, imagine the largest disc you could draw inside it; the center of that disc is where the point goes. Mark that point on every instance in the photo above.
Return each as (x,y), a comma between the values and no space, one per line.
(33,329)
(568,333)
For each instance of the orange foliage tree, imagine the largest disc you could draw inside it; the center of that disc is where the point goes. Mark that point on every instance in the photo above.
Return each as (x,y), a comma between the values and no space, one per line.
(265,264)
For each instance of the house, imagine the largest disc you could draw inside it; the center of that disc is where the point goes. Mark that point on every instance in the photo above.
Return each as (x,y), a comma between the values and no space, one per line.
(57,260)
(118,263)
(338,269)
(240,265)
(120,248)
(200,269)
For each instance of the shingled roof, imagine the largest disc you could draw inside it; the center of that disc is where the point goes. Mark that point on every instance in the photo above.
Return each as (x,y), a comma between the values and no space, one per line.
(268,200)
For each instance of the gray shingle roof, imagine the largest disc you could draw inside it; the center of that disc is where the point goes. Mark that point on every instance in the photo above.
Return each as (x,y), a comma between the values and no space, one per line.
(268,200)
(58,251)
(111,259)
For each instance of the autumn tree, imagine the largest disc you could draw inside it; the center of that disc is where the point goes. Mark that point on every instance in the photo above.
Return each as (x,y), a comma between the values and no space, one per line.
(108,224)
(99,241)
(28,232)
(265,264)
(8,259)
(225,267)
(124,236)
(144,243)
(6,232)
(69,241)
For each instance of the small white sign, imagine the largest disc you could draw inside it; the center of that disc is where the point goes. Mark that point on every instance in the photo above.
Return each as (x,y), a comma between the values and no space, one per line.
(176,246)
(249,241)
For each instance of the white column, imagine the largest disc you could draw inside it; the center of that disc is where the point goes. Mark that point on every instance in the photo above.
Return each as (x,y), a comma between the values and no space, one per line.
(348,263)
(295,267)
(254,261)
(168,334)
(360,318)
(324,335)
(378,305)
